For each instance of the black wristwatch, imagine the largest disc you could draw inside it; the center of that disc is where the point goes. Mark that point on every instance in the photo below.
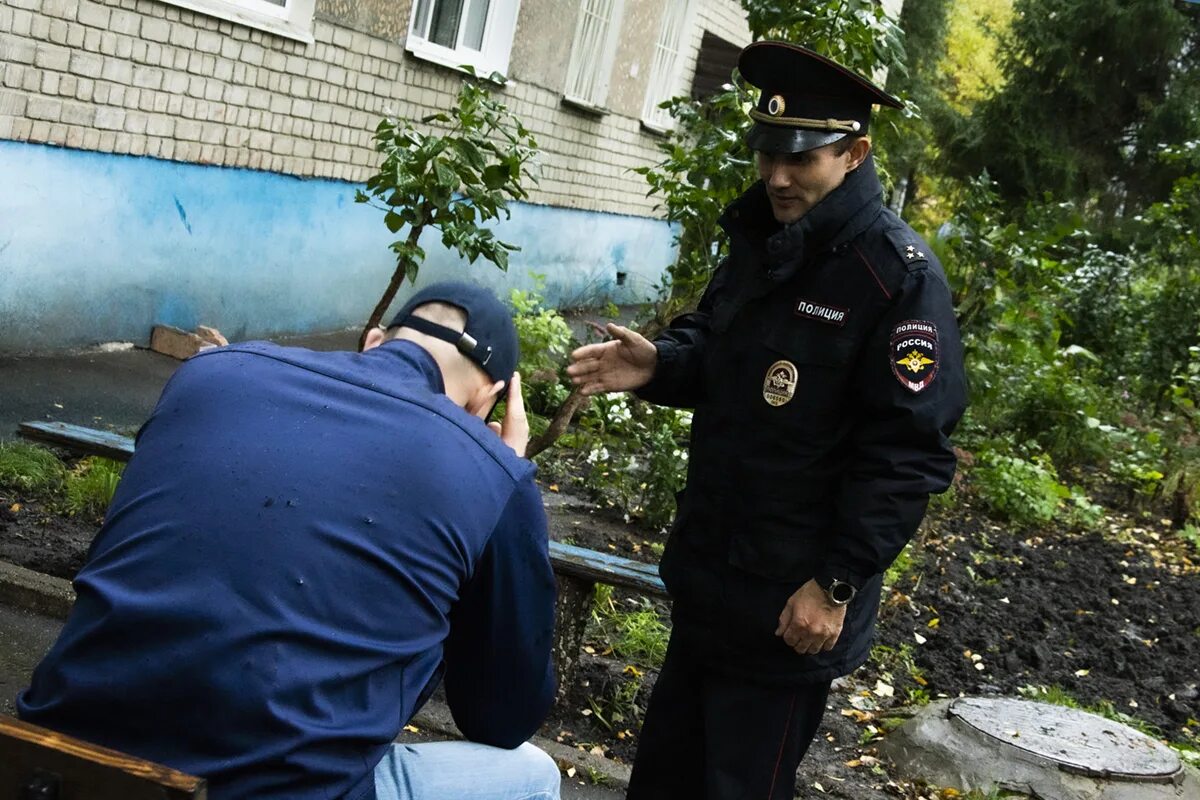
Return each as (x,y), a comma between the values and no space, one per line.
(839,593)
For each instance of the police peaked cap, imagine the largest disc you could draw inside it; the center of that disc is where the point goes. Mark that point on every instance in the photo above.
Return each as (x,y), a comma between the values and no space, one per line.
(807,100)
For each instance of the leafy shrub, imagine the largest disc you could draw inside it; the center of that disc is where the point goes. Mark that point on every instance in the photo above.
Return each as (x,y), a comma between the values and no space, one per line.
(1024,490)
(637,454)
(545,341)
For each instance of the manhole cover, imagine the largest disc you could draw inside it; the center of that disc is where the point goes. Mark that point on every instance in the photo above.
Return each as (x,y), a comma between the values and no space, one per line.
(1074,740)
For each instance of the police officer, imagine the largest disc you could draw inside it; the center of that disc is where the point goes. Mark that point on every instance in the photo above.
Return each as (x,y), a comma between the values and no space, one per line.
(304,544)
(825,370)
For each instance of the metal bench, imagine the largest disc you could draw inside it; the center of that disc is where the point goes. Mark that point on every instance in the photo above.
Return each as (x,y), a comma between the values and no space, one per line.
(578,569)
(40,764)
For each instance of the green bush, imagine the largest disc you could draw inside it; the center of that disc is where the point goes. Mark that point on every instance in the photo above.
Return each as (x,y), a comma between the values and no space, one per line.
(1023,490)
(636,454)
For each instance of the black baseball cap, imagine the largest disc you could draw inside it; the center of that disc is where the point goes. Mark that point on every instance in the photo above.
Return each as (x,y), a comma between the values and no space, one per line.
(490,338)
(807,100)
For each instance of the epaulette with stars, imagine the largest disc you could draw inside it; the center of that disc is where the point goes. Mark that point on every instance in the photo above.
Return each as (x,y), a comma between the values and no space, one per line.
(911,251)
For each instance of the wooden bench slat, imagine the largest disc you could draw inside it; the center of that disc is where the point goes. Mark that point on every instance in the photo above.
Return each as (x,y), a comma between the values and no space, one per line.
(591,565)
(88,441)
(85,770)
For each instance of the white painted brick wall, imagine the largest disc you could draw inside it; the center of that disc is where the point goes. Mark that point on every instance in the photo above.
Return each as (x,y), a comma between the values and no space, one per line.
(145,77)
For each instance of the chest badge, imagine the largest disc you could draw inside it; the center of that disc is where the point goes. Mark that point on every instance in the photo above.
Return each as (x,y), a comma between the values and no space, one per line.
(780,384)
(914,354)
(821,312)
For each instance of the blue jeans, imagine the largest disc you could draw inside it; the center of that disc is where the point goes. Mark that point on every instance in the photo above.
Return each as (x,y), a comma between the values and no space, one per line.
(465,771)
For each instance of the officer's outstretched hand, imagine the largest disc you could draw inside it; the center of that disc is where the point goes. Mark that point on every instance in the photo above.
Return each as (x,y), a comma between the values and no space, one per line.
(622,364)
(809,623)
(513,430)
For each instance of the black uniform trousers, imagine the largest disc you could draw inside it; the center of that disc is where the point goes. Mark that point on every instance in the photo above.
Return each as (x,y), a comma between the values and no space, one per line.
(710,736)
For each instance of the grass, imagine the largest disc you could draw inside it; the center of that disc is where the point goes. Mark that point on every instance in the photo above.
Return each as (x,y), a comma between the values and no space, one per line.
(37,473)
(31,469)
(903,565)
(638,635)
(91,485)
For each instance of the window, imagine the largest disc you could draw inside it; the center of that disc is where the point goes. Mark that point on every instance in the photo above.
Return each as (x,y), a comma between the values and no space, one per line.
(453,33)
(592,52)
(289,18)
(664,80)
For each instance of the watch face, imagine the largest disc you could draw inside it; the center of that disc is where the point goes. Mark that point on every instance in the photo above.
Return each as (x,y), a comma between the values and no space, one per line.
(841,592)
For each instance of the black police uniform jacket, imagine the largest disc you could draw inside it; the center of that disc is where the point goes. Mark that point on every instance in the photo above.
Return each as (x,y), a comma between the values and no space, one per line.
(825,369)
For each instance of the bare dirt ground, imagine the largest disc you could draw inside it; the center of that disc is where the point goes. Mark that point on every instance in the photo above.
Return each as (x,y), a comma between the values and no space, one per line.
(1109,616)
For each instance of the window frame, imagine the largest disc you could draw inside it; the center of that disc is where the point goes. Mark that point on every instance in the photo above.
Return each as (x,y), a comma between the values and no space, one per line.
(494,55)
(294,20)
(652,117)
(606,61)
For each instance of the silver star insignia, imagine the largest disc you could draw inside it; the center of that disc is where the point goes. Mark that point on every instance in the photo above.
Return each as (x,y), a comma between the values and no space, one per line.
(920,254)
(909,255)
(910,248)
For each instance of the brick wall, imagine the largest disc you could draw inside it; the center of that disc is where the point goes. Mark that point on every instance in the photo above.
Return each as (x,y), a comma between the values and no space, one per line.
(142,77)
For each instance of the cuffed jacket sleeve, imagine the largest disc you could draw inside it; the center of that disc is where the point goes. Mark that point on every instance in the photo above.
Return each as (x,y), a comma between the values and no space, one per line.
(901,451)
(499,675)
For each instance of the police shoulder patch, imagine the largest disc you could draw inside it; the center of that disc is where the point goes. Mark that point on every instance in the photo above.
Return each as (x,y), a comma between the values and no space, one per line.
(914,354)
(912,251)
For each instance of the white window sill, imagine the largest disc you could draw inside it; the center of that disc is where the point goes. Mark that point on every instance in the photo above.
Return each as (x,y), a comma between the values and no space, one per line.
(585,106)
(657,130)
(455,60)
(232,12)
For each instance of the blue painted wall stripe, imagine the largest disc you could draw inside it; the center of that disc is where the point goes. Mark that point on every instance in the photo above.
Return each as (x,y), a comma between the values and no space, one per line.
(97,247)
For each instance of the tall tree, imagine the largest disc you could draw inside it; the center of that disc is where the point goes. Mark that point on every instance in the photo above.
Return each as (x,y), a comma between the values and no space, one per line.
(1092,88)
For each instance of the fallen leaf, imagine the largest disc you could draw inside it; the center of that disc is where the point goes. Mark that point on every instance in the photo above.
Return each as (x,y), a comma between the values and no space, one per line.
(553,487)
(630,669)
(1080,673)
(819,787)
(597,750)
(587,712)
(15,507)
(856,715)
(854,763)
(883,690)
(920,639)
(570,772)
(933,623)
(412,729)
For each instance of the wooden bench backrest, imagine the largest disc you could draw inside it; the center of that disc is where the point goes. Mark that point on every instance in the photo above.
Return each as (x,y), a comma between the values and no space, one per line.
(70,769)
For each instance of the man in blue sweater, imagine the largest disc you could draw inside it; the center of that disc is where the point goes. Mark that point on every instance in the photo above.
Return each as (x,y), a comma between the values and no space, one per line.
(302,547)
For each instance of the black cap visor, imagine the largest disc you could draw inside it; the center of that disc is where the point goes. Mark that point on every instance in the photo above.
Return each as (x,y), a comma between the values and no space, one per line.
(776,139)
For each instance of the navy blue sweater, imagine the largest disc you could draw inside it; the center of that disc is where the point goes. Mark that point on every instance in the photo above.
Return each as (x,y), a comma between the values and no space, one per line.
(302,543)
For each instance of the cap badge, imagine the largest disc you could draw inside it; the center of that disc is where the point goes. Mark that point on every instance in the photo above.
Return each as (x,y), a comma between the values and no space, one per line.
(779,386)
(776,105)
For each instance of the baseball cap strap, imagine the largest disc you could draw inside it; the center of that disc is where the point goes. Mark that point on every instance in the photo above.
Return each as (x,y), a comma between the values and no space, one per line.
(465,342)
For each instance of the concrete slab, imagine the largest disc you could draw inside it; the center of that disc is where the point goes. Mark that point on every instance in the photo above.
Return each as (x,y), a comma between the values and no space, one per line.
(1047,751)
(25,636)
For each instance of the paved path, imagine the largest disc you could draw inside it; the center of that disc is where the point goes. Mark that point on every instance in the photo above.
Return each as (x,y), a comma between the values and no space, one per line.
(107,390)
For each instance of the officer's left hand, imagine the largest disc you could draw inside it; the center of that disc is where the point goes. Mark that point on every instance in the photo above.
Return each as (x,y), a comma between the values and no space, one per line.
(809,623)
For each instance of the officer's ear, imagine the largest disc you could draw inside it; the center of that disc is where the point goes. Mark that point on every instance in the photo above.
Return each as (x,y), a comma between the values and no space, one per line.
(858,153)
